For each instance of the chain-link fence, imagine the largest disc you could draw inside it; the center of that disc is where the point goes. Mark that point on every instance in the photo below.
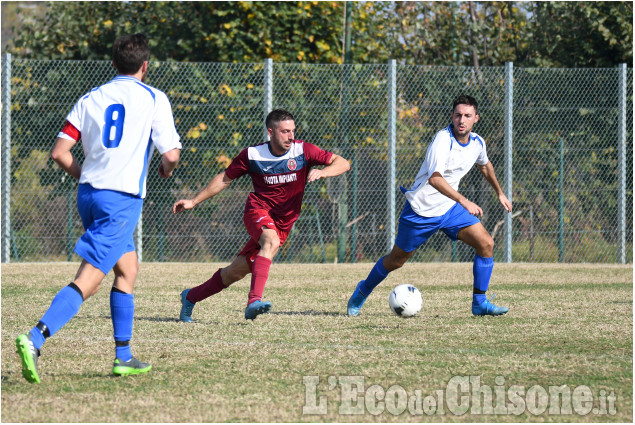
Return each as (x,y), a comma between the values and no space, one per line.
(572,157)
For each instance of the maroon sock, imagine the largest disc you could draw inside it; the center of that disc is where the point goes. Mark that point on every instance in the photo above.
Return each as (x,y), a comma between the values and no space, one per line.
(212,286)
(259,275)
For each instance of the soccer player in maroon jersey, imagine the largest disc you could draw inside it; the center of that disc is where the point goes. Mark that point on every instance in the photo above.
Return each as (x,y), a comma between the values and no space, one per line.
(279,170)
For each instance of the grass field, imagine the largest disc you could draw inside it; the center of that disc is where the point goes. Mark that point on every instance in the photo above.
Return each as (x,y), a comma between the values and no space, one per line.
(568,325)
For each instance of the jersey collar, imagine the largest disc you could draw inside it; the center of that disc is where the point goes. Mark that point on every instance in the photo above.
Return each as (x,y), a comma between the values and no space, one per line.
(454,139)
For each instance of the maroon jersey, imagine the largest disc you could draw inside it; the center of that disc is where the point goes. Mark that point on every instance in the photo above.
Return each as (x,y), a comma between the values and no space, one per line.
(279,181)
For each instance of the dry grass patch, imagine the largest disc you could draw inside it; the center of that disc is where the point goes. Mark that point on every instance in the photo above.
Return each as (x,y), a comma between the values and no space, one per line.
(568,324)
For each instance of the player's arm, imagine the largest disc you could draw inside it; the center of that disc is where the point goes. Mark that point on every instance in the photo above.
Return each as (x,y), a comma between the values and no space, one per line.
(439,183)
(219,183)
(488,172)
(336,166)
(63,156)
(169,160)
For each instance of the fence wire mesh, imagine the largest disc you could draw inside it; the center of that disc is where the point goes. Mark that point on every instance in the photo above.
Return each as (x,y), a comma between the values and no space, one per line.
(565,158)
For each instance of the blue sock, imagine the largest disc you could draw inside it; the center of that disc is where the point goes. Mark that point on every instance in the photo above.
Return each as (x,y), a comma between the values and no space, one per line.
(482,271)
(63,308)
(122,313)
(376,275)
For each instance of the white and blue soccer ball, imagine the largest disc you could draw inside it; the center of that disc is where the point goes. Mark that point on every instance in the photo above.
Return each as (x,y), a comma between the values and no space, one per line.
(405,300)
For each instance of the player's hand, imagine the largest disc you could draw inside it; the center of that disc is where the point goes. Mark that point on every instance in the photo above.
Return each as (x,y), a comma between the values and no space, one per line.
(162,172)
(314,175)
(472,208)
(182,205)
(506,203)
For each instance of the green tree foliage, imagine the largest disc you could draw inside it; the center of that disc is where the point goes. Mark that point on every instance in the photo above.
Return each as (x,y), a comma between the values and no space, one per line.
(581,34)
(189,31)
(218,106)
(547,34)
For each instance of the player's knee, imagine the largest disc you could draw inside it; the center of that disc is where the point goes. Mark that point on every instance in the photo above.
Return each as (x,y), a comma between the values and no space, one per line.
(134,271)
(129,274)
(486,246)
(270,245)
(393,263)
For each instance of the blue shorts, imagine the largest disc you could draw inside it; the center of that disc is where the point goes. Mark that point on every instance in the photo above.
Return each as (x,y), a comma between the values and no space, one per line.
(109,219)
(414,229)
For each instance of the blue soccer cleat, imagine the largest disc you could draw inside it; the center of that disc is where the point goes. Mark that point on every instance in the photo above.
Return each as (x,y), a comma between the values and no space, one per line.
(255,308)
(486,308)
(186,307)
(356,301)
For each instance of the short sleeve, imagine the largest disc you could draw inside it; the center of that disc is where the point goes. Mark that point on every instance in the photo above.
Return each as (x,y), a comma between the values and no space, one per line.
(315,155)
(482,158)
(164,135)
(239,166)
(438,155)
(74,116)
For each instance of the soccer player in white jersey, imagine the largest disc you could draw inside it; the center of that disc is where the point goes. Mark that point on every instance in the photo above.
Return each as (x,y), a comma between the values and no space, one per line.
(120,124)
(434,203)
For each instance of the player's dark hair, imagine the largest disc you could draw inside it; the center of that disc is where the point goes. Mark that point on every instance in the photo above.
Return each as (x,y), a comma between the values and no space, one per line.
(129,52)
(464,99)
(276,116)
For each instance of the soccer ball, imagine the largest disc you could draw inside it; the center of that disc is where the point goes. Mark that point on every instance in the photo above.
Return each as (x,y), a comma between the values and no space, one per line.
(405,300)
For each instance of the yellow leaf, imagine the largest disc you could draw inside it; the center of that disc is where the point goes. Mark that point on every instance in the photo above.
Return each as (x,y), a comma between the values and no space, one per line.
(222,159)
(202,126)
(227,26)
(193,133)
(221,117)
(107,23)
(225,89)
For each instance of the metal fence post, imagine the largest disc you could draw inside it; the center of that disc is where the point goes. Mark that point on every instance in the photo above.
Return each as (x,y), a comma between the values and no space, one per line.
(561,203)
(509,118)
(139,238)
(621,161)
(6,157)
(392,141)
(268,92)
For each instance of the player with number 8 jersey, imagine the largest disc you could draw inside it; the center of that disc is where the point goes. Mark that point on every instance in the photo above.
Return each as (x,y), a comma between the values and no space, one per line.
(136,119)
(119,124)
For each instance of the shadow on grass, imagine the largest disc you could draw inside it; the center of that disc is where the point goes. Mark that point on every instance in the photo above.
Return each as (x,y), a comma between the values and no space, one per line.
(307,313)
(159,319)
(149,319)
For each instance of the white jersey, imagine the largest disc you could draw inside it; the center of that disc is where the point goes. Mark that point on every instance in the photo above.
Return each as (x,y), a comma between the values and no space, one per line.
(121,123)
(453,161)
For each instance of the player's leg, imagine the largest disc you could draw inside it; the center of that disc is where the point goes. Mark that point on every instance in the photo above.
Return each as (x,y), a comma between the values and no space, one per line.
(478,238)
(269,242)
(220,280)
(394,260)
(63,308)
(413,232)
(122,313)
